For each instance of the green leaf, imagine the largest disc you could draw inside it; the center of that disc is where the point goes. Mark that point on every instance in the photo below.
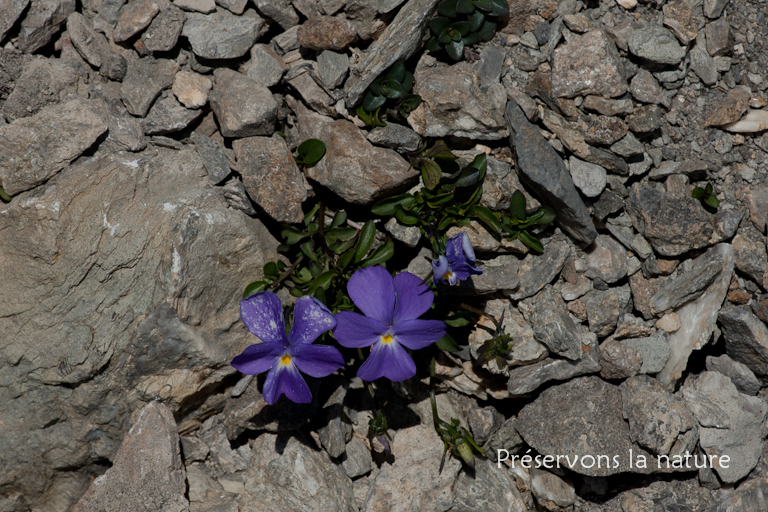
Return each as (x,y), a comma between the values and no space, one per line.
(433,45)
(712,201)
(342,245)
(5,197)
(437,25)
(296,291)
(708,189)
(308,248)
(407,81)
(386,207)
(333,234)
(697,193)
(447,221)
(455,50)
(439,199)
(303,276)
(462,27)
(410,102)
(292,236)
(270,269)
(460,319)
(365,116)
(311,214)
(392,89)
(446,343)
(345,259)
(311,151)
(549,215)
(487,31)
(440,150)
(531,241)
(487,217)
(476,20)
(381,254)
(465,7)
(486,5)
(500,8)
(338,219)
(448,35)
(430,173)
(405,217)
(365,240)
(396,72)
(470,39)
(469,176)
(375,87)
(371,102)
(254,287)
(322,281)
(517,206)
(448,9)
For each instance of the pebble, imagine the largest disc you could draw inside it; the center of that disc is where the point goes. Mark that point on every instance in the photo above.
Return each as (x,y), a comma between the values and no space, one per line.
(589,178)
(191,89)
(669,322)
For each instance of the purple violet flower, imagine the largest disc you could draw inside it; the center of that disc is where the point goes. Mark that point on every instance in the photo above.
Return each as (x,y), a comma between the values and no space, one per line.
(391,308)
(284,355)
(458,262)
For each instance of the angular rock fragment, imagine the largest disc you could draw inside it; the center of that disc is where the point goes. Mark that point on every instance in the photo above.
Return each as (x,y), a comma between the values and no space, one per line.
(714,8)
(233,6)
(536,270)
(332,68)
(168,116)
(656,44)
(191,89)
(606,260)
(542,168)
(42,82)
(731,109)
(147,473)
(125,131)
(271,176)
(746,339)
(326,33)
(619,361)
(214,159)
(144,81)
(453,104)
(10,10)
(689,285)
(719,37)
(134,17)
(680,18)
(492,489)
(552,325)
(281,11)
(232,91)
(397,136)
(741,376)
(588,64)
(265,66)
(526,379)
(589,178)
(32,148)
(357,461)
(604,308)
(222,35)
(42,21)
(91,45)
(164,31)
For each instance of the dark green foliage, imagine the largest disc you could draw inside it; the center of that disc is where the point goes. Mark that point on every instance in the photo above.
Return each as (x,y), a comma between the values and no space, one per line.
(516,222)
(4,197)
(706,196)
(464,22)
(389,96)
(310,152)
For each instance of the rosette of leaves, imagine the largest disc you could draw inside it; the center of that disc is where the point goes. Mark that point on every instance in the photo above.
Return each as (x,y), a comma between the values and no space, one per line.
(323,257)
(706,196)
(451,201)
(517,222)
(464,22)
(389,94)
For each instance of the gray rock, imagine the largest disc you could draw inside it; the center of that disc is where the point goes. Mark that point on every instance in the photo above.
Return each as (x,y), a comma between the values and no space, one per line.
(726,223)
(551,491)
(281,11)
(697,319)
(108,14)
(114,67)
(287,41)
(125,131)
(606,260)
(655,44)
(654,350)
(395,136)
(619,361)
(608,203)
(42,21)
(714,8)
(233,90)
(689,285)
(505,438)
(643,398)
(703,64)
(719,37)
(332,68)
(42,82)
(316,483)
(645,119)
(400,40)
(194,449)
(581,404)
(491,489)
(417,452)
(490,65)
(352,167)
(312,93)
(326,33)
(409,235)
(10,10)
(746,339)
(608,107)
(544,171)
(213,157)
(453,104)
(680,18)
(589,178)
(694,169)
(147,473)
(750,495)
(741,376)
(536,270)
(164,31)
(91,45)
(628,146)
(144,81)
(751,258)
(603,130)
(222,35)
(523,380)
(588,64)
(357,461)
(125,310)
(604,308)
(234,6)
(673,222)
(134,16)
(337,428)
(742,440)
(499,274)
(265,66)
(32,149)
(167,115)
(271,176)
(644,87)
(203,6)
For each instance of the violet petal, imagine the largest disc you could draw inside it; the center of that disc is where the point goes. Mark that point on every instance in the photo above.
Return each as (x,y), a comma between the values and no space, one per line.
(317,360)
(418,333)
(372,290)
(388,360)
(262,314)
(257,358)
(354,330)
(439,268)
(286,379)
(413,297)
(310,319)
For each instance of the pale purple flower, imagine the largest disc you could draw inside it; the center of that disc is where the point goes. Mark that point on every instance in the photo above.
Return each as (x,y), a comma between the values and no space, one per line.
(458,262)
(390,321)
(284,355)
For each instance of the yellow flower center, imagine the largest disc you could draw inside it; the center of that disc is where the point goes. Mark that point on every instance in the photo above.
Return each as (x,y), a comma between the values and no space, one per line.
(285,359)
(386,338)
(447,275)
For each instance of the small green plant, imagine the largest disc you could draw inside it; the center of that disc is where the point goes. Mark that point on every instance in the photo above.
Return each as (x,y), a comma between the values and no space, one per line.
(4,197)
(389,96)
(310,152)
(706,196)
(516,222)
(464,22)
